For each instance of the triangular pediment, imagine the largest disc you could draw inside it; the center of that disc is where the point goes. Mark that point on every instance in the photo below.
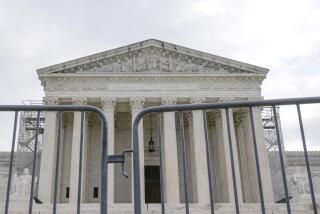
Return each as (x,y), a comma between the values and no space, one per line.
(153,56)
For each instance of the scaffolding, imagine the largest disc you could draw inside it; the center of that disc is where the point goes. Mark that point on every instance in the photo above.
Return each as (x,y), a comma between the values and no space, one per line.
(27,135)
(273,151)
(269,128)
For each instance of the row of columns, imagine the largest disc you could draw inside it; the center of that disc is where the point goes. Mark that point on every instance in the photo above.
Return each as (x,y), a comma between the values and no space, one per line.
(171,172)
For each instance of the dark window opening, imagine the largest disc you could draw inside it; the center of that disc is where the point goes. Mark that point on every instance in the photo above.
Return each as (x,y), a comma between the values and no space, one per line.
(95,192)
(67,192)
(152,184)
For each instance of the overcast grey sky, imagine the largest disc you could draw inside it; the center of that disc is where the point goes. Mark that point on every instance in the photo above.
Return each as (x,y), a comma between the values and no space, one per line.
(283,36)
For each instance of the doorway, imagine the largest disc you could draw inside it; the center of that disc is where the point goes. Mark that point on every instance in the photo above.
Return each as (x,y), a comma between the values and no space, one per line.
(152,184)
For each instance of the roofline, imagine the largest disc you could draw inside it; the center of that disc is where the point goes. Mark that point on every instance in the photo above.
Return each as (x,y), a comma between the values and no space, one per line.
(148,43)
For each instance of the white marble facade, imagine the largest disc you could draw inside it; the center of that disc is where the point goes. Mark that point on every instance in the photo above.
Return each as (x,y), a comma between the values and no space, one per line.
(151,73)
(125,80)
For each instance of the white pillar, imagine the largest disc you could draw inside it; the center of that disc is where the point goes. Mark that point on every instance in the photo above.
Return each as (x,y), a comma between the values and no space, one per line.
(75,154)
(47,166)
(171,170)
(199,149)
(108,106)
(136,104)
(227,157)
(263,157)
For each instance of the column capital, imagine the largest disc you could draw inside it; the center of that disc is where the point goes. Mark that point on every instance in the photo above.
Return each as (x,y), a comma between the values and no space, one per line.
(168,100)
(240,116)
(137,103)
(108,103)
(212,117)
(51,100)
(79,100)
(197,100)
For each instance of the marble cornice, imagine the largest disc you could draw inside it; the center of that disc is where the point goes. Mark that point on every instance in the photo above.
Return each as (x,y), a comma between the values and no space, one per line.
(198,75)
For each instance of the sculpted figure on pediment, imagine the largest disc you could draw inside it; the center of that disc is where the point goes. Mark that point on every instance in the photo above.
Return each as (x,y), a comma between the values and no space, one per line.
(173,63)
(116,66)
(191,67)
(127,65)
(181,66)
(140,63)
(153,63)
(164,62)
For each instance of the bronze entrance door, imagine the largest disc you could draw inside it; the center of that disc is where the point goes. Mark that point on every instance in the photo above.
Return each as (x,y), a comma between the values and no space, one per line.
(152,184)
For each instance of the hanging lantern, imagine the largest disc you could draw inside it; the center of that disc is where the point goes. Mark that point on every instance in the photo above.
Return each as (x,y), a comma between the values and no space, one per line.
(151,142)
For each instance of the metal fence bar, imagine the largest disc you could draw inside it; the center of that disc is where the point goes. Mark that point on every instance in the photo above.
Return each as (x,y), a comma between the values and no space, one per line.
(184,162)
(65,108)
(136,168)
(206,134)
(34,162)
(232,163)
(11,161)
(104,166)
(60,115)
(161,163)
(80,163)
(254,140)
(314,204)
(284,177)
(203,106)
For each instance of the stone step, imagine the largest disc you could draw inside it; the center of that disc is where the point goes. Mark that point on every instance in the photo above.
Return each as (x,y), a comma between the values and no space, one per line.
(248,208)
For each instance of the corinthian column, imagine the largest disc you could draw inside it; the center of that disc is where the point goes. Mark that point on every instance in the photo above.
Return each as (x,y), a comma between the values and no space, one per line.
(202,183)
(75,154)
(48,152)
(136,104)
(227,155)
(171,170)
(108,106)
(263,155)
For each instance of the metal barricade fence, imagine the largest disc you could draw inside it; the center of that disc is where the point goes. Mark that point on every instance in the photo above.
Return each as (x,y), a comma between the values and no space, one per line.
(60,109)
(226,106)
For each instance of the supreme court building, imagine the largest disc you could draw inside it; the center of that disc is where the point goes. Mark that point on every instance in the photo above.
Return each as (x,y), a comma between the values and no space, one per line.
(125,80)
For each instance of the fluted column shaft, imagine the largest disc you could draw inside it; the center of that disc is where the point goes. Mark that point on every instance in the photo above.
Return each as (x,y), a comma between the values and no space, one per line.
(171,170)
(227,158)
(48,158)
(75,154)
(263,157)
(203,194)
(136,104)
(108,106)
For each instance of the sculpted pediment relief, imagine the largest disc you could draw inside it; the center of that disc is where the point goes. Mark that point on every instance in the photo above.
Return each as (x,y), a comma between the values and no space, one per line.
(153,60)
